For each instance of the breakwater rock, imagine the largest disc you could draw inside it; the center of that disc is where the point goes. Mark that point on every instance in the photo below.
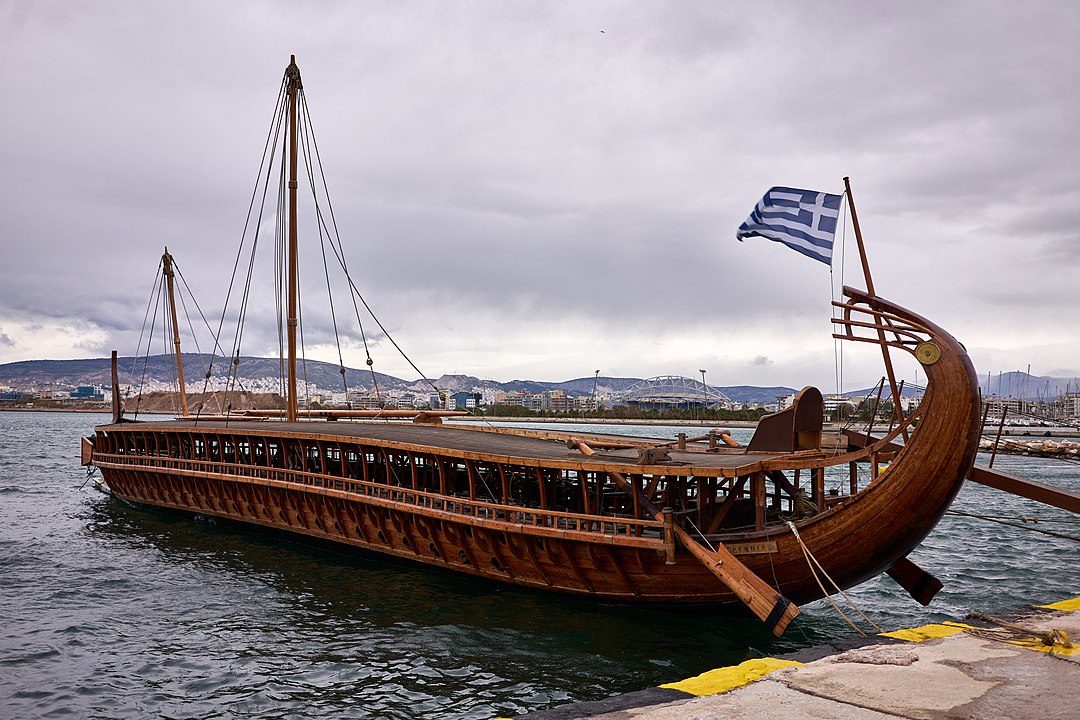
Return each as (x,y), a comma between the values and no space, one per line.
(1040,448)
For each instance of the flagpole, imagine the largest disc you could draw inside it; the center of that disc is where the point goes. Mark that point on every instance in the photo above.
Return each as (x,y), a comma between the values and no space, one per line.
(897,407)
(858,239)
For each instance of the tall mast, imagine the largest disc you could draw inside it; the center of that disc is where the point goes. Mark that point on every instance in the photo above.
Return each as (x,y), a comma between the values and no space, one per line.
(167,268)
(292,74)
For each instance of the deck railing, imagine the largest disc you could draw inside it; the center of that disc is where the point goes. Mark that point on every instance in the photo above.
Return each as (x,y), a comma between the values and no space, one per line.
(482,511)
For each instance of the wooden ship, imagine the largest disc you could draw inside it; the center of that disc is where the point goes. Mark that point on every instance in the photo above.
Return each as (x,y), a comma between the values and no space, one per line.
(694,520)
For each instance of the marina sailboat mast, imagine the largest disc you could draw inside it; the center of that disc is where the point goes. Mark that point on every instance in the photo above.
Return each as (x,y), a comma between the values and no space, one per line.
(292,79)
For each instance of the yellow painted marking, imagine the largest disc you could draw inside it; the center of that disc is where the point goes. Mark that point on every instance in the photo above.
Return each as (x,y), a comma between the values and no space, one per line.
(728,678)
(928,632)
(1064,605)
(721,680)
(1037,646)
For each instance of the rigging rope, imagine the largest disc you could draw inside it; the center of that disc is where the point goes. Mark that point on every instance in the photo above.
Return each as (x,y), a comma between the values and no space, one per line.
(271,142)
(146,317)
(306,147)
(170,361)
(336,234)
(155,301)
(327,225)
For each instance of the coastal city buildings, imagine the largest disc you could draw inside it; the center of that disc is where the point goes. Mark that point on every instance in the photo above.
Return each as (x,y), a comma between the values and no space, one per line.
(654,394)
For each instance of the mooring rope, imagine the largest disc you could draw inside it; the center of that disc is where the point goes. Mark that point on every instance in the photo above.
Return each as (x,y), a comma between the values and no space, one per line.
(811,561)
(997,519)
(1018,635)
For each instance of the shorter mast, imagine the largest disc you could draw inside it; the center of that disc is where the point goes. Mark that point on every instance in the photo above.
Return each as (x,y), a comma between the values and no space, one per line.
(167,264)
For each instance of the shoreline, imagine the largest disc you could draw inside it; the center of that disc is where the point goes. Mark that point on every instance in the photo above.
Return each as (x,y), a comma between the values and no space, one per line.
(980,666)
(989,430)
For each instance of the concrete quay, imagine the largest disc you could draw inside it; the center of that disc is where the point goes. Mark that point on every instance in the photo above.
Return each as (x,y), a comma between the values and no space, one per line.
(1021,666)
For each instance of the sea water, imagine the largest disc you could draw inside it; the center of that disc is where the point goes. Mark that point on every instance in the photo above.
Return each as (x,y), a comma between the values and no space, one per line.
(108,611)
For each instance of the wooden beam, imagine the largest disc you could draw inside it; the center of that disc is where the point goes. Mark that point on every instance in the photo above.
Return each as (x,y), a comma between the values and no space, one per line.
(733,494)
(920,584)
(757,494)
(1039,492)
(1046,494)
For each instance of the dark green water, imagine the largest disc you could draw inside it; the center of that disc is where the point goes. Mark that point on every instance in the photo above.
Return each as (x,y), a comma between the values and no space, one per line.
(113,612)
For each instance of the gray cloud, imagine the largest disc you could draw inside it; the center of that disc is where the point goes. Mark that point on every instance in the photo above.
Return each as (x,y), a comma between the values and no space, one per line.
(521,195)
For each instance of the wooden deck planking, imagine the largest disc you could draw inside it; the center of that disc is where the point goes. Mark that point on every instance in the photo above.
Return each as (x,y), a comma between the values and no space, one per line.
(453,439)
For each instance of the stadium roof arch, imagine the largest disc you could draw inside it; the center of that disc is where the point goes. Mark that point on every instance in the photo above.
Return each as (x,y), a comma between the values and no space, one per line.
(673,391)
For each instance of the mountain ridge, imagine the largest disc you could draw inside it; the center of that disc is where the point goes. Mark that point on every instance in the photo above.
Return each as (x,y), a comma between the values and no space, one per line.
(327,377)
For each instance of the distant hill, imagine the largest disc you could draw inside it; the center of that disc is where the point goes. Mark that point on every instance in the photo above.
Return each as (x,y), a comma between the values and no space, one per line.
(754,394)
(1028,387)
(261,374)
(253,371)
(30,374)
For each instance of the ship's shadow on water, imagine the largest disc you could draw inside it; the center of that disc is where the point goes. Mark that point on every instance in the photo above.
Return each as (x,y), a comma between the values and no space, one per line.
(507,649)
(386,591)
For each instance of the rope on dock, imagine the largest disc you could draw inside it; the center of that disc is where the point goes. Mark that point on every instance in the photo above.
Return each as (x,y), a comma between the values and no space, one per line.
(811,561)
(1025,523)
(1013,634)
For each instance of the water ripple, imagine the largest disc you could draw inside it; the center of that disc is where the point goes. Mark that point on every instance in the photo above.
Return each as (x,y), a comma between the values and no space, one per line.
(112,612)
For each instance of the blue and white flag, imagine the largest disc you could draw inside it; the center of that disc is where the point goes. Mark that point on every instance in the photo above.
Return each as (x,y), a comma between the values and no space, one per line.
(804,220)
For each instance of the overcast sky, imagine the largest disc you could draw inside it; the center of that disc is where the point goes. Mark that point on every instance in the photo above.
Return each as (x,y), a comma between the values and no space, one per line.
(537,190)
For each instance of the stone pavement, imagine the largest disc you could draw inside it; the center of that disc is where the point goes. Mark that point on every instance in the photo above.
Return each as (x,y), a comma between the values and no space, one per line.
(1017,667)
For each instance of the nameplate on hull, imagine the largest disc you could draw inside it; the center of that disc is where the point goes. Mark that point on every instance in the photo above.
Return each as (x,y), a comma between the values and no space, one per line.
(753,548)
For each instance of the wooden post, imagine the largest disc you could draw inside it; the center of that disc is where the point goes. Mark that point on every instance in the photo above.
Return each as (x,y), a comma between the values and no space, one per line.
(637,503)
(757,494)
(583,484)
(669,536)
(117,408)
(543,489)
(997,438)
(504,484)
(470,472)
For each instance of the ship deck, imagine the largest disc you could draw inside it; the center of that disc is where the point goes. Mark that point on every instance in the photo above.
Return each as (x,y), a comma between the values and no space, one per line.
(500,442)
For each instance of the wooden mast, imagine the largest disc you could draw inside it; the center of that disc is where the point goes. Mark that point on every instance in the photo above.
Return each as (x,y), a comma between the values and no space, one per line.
(292,74)
(167,269)
(117,405)
(889,372)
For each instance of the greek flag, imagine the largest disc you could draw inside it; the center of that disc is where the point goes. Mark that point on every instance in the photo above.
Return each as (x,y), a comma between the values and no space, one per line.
(804,220)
